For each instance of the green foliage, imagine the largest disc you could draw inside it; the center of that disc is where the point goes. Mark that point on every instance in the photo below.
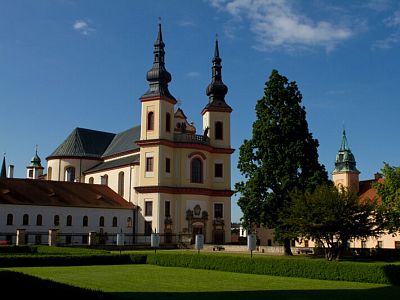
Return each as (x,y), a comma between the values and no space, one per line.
(18,249)
(281,155)
(389,191)
(331,218)
(283,266)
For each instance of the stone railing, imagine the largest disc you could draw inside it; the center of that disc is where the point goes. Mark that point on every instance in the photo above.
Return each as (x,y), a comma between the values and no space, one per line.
(191,138)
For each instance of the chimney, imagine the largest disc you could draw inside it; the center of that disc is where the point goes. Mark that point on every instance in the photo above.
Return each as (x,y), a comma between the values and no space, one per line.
(11,171)
(378,176)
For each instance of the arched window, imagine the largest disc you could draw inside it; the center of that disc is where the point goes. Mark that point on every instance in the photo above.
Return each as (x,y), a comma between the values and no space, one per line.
(104,179)
(129,222)
(121,179)
(39,220)
(70,174)
(101,221)
(150,120)
(115,222)
(69,220)
(196,168)
(56,220)
(85,222)
(91,180)
(10,219)
(218,130)
(49,173)
(25,219)
(168,122)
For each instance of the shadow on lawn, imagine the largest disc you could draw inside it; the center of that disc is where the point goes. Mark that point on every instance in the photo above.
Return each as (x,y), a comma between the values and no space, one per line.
(20,285)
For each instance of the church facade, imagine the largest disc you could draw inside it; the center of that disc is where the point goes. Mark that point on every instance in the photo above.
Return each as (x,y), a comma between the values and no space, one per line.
(180,181)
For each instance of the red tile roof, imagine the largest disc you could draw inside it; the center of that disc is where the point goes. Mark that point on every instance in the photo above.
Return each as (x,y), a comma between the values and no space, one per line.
(366,191)
(59,193)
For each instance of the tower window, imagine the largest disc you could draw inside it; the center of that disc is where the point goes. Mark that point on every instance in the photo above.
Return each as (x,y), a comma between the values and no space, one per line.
(218,170)
(149,164)
(167,209)
(150,121)
(70,174)
(49,173)
(218,210)
(148,212)
(147,228)
(168,122)
(121,183)
(167,165)
(30,173)
(196,167)
(218,130)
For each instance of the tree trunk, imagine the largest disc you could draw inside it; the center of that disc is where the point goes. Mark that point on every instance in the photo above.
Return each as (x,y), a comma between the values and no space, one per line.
(286,247)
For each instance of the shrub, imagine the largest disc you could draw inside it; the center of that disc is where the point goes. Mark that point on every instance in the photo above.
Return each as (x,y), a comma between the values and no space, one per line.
(282,266)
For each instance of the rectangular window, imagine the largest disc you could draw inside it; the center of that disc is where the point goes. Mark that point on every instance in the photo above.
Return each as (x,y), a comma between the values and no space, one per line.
(218,210)
(167,165)
(397,244)
(167,209)
(147,228)
(363,244)
(306,243)
(149,164)
(148,212)
(218,170)
(380,244)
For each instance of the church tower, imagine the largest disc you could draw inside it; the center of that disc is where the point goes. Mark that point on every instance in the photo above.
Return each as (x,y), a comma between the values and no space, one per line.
(345,173)
(216,114)
(35,169)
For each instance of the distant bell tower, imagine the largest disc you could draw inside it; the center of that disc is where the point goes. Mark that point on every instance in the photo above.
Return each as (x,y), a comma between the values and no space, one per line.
(35,169)
(345,173)
(216,114)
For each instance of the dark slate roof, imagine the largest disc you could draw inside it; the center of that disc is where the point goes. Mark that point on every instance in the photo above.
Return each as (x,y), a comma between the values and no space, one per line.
(84,142)
(59,193)
(125,161)
(123,142)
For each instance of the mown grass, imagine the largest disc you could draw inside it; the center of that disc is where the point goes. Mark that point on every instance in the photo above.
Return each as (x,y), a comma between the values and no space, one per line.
(154,282)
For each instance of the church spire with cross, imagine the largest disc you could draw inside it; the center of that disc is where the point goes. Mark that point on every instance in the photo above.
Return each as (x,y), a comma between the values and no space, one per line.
(158,76)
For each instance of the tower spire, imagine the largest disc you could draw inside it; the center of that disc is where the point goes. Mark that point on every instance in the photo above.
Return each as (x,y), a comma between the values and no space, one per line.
(345,161)
(217,90)
(3,172)
(345,145)
(158,77)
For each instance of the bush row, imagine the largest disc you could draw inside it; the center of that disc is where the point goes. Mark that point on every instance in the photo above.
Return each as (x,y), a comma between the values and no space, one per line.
(18,249)
(290,267)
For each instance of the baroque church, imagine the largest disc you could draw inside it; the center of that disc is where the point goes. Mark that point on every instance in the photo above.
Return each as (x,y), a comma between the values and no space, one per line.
(179,181)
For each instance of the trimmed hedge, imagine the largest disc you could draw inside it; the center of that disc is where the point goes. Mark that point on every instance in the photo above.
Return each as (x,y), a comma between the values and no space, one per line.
(282,266)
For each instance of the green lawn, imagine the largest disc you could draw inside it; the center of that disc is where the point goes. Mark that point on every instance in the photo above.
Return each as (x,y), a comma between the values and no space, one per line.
(154,282)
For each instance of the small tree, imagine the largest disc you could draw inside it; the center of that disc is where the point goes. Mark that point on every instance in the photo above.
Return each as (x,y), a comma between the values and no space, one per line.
(281,156)
(389,191)
(331,218)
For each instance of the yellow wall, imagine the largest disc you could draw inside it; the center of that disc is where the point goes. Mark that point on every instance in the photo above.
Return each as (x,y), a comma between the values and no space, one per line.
(209,119)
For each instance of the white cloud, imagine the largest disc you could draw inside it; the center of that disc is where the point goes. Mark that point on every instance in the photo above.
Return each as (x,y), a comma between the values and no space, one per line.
(393,20)
(276,24)
(83,27)
(388,42)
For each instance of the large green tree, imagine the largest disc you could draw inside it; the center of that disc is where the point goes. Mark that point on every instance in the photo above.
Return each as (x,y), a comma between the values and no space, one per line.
(389,192)
(332,218)
(281,156)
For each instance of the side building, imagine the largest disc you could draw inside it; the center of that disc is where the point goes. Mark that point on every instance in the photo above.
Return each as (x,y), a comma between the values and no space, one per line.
(180,181)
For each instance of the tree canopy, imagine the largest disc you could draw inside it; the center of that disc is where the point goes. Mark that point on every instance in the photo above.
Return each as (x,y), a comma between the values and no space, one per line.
(389,191)
(331,218)
(280,157)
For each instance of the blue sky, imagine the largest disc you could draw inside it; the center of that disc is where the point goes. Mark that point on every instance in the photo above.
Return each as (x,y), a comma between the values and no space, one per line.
(65,64)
